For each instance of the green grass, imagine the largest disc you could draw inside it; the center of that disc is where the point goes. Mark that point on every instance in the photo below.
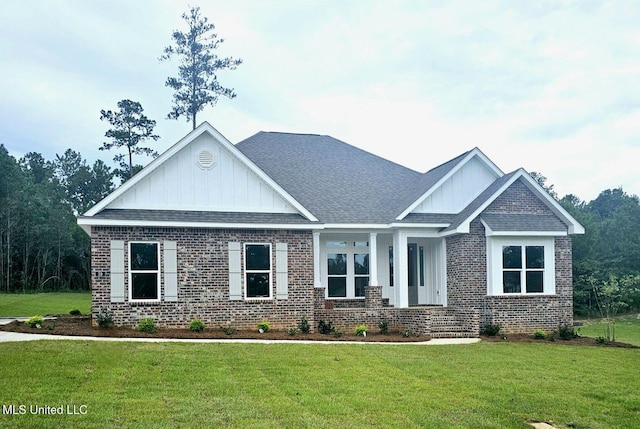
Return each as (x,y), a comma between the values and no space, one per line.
(627,329)
(485,385)
(44,303)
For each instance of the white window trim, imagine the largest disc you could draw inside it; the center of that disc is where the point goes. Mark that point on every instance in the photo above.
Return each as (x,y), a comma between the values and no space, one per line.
(494,264)
(350,250)
(157,271)
(245,272)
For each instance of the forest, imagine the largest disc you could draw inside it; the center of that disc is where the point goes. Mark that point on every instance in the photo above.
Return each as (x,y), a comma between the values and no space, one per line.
(43,249)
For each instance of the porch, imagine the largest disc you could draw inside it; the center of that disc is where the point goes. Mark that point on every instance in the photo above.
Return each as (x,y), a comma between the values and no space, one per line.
(409,265)
(432,321)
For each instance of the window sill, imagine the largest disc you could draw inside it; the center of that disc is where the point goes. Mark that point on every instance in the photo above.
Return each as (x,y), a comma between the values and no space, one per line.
(145,301)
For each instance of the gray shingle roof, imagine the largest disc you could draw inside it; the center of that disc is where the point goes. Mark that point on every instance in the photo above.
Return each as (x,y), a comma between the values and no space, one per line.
(201,216)
(522,222)
(337,182)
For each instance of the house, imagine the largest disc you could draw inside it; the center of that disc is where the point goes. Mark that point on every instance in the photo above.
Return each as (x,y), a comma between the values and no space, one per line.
(285,226)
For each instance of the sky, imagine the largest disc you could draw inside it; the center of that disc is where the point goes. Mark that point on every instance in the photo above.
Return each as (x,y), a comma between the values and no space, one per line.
(550,86)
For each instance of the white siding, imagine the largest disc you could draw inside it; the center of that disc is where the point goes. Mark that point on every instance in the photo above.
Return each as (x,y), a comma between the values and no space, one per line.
(179,184)
(459,190)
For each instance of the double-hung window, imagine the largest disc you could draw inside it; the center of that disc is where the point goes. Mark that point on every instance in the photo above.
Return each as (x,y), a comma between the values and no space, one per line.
(144,271)
(257,270)
(521,266)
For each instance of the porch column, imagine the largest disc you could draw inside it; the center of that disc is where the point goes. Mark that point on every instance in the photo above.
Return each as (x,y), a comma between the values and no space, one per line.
(316,260)
(400,275)
(373,259)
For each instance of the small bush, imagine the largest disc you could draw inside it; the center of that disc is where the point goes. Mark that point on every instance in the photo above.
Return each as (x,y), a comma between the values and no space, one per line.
(540,335)
(263,327)
(34,322)
(292,331)
(406,334)
(601,340)
(337,333)
(304,326)
(490,330)
(104,319)
(361,330)
(325,327)
(147,325)
(75,312)
(196,325)
(384,326)
(566,332)
(228,329)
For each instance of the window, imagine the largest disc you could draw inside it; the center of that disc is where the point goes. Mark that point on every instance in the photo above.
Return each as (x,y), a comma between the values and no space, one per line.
(144,271)
(391,266)
(361,271)
(346,266)
(521,266)
(257,270)
(337,275)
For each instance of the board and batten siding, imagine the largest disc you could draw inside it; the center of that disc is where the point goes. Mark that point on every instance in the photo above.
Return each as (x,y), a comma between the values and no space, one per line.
(180,184)
(459,190)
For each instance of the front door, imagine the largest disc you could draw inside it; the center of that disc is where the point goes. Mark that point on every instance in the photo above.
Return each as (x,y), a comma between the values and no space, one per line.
(412,264)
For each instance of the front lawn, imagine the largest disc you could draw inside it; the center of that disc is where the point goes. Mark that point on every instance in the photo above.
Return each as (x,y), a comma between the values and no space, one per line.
(627,328)
(21,304)
(485,385)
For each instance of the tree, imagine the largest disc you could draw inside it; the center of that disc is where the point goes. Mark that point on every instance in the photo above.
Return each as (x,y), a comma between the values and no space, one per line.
(197,84)
(130,127)
(542,181)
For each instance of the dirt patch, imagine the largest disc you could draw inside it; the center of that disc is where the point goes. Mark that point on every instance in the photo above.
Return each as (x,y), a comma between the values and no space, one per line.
(578,341)
(81,326)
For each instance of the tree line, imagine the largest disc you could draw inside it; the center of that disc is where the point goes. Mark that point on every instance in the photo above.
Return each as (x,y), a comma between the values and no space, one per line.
(606,259)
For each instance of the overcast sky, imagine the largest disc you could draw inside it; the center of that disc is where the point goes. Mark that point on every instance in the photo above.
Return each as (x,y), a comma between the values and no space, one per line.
(551,86)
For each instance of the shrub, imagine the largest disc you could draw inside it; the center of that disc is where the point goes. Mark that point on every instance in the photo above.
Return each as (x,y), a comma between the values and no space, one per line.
(325,327)
(406,334)
(228,329)
(292,331)
(34,322)
(490,330)
(196,325)
(304,326)
(147,325)
(75,312)
(566,332)
(384,326)
(601,340)
(104,319)
(540,335)
(361,330)
(263,327)
(337,333)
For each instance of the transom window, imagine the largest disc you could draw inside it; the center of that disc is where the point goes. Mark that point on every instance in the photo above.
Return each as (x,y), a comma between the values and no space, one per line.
(144,271)
(257,270)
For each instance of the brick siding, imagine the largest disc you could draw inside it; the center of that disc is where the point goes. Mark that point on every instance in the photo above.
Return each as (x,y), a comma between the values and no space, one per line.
(203,278)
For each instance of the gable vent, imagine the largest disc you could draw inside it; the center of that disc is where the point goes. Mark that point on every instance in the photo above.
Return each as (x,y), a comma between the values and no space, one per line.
(205,160)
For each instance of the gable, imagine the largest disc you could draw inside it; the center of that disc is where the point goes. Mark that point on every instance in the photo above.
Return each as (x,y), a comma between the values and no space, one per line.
(456,192)
(204,176)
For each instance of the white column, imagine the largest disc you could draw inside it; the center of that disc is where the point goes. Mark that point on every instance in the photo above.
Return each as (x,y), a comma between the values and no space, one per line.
(373,259)
(400,267)
(316,260)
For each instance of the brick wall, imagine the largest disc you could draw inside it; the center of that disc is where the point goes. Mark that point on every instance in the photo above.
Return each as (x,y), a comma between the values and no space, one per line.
(467,274)
(203,278)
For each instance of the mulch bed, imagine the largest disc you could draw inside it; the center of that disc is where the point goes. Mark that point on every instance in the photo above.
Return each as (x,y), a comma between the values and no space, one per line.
(81,326)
